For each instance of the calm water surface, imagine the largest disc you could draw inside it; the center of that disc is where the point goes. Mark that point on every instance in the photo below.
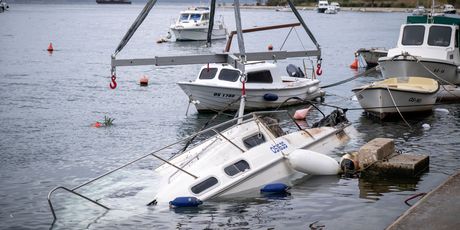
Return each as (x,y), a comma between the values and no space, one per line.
(48,102)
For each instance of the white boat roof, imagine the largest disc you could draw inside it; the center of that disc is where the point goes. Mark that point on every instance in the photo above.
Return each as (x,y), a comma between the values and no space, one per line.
(195,10)
(249,67)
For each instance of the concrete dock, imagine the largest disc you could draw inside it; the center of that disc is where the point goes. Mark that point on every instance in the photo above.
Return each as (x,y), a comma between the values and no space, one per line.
(439,209)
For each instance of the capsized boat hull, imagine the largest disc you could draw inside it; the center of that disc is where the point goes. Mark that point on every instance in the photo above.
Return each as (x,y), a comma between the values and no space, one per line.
(198,34)
(216,98)
(446,72)
(385,97)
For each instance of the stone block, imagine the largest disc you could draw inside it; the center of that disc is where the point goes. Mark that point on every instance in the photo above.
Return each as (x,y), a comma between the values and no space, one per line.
(375,150)
(404,165)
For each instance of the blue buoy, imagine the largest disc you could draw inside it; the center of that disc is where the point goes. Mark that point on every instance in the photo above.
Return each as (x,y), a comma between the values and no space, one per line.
(185,201)
(270,97)
(275,188)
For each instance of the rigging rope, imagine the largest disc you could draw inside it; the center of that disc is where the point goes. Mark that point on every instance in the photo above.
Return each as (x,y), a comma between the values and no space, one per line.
(351,78)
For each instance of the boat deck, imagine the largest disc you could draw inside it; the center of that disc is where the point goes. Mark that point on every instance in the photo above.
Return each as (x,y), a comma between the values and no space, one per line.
(439,209)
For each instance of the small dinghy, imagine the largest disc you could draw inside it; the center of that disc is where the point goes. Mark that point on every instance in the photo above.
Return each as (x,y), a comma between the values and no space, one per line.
(406,94)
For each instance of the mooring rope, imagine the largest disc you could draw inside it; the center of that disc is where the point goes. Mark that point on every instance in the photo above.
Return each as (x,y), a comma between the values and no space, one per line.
(351,78)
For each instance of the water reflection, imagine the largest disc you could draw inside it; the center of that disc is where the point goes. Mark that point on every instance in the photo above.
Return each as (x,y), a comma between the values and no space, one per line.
(375,187)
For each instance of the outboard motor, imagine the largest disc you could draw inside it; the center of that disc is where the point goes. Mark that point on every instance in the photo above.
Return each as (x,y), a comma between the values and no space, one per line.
(336,117)
(294,71)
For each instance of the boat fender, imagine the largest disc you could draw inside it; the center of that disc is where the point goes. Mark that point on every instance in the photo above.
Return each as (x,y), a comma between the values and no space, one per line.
(270,97)
(185,201)
(313,163)
(275,188)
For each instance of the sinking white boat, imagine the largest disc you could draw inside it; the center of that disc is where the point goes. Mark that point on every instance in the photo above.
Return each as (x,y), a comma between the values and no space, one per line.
(402,94)
(250,155)
(193,23)
(218,87)
(427,47)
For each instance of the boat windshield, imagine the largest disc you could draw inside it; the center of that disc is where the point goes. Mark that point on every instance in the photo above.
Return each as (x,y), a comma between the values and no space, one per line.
(229,75)
(413,35)
(195,17)
(208,73)
(184,17)
(439,36)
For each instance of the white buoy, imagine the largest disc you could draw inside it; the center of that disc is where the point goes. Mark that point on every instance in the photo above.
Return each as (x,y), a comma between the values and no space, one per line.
(313,163)
(426,126)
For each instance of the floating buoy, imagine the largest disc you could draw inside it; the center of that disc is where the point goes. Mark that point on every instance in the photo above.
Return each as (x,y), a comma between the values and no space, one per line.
(354,65)
(50,47)
(426,126)
(270,97)
(185,201)
(144,81)
(313,163)
(270,47)
(275,188)
(97,124)
(301,114)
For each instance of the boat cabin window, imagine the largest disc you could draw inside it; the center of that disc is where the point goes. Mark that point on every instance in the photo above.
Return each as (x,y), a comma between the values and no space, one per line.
(254,140)
(229,75)
(184,17)
(439,36)
(208,73)
(208,183)
(236,168)
(195,17)
(413,35)
(260,77)
(205,17)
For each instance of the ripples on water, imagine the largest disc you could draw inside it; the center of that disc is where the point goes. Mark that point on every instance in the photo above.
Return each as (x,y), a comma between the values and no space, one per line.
(47,103)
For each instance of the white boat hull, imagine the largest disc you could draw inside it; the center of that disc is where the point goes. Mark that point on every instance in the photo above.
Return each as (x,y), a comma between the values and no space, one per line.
(198,34)
(216,98)
(378,101)
(424,67)
(371,56)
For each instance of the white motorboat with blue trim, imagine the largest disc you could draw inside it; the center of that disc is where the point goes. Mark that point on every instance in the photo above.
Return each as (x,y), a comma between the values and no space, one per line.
(218,86)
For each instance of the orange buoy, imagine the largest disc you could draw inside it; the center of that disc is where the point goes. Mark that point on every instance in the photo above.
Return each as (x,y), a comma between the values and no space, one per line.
(301,114)
(354,65)
(144,81)
(97,124)
(50,47)
(270,47)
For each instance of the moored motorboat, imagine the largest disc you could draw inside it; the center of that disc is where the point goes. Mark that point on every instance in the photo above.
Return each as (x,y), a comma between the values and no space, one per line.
(398,95)
(193,23)
(218,87)
(427,47)
(322,6)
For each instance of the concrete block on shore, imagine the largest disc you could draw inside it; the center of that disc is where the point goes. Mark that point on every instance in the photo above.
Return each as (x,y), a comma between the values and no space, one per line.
(376,150)
(401,165)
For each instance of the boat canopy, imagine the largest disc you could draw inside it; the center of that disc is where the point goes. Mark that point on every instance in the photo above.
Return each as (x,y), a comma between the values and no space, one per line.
(439,19)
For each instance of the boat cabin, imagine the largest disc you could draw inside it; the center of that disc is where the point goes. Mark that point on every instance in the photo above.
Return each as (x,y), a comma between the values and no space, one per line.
(194,15)
(436,37)
(258,73)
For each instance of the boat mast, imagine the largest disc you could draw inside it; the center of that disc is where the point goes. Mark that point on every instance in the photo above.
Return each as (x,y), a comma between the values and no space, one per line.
(211,23)
(239,33)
